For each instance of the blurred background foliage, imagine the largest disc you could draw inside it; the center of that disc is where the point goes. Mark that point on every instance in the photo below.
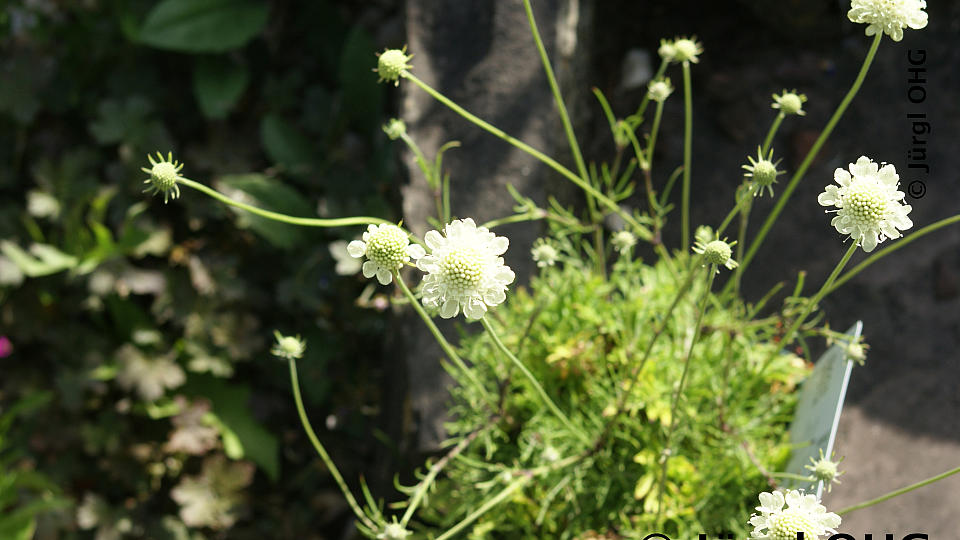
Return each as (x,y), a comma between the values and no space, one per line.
(146,334)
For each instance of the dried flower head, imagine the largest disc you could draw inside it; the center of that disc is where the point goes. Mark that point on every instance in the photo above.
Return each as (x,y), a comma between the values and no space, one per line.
(763,171)
(869,206)
(387,248)
(164,175)
(464,270)
(802,514)
(391,64)
(790,102)
(716,252)
(888,16)
(825,470)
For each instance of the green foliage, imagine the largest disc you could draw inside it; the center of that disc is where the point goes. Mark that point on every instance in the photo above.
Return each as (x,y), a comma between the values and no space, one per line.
(150,342)
(197,26)
(583,336)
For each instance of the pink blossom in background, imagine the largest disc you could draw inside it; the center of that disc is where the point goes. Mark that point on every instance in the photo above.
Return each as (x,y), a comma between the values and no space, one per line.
(6,348)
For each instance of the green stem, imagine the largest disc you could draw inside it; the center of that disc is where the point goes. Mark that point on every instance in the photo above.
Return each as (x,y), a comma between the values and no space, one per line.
(652,141)
(741,239)
(773,130)
(547,160)
(322,451)
(687,156)
(557,98)
(900,491)
(444,344)
(435,470)
(485,507)
(793,476)
(808,307)
(533,381)
(808,160)
(679,392)
(306,222)
(893,247)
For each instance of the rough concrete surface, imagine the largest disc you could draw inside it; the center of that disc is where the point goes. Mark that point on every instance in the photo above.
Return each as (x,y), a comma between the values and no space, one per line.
(902,419)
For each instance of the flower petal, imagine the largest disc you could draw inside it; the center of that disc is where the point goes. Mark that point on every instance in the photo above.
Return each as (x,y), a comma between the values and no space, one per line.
(434,240)
(449,309)
(357,249)
(416,251)
(384,276)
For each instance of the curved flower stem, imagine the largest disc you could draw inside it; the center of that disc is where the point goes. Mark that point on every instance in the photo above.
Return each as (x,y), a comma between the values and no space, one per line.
(687,152)
(808,160)
(485,507)
(773,130)
(808,307)
(893,247)
(557,98)
(444,344)
(900,491)
(533,381)
(547,160)
(679,392)
(322,451)
(276,216)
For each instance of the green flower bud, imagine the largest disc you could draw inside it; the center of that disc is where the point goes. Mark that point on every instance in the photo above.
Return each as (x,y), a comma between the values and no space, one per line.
(395,129)
(288,347)
(790,102)
(687,50)
(391,64)
(763,171)
(164,175)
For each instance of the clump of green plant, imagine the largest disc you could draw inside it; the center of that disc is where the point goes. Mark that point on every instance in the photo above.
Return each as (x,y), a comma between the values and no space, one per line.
(618,397)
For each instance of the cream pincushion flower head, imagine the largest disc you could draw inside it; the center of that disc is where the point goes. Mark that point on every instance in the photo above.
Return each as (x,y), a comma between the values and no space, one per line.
(869,206)
(802,514)
(464,270)
(387,248)
(888,16)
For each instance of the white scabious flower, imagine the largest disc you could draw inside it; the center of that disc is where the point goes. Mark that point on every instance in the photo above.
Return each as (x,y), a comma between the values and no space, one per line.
(869,206)
(802,514)
(888,16)
(544,253)
(387,248)
(464,270)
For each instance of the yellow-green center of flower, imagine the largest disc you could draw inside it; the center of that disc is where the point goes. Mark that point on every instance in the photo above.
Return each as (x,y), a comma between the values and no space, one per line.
(462,268)
(764,172)
(387,247)
(825,470)
(786,525)
(164,176)
(866,202)
(717,252)
(790,103)
(391,64)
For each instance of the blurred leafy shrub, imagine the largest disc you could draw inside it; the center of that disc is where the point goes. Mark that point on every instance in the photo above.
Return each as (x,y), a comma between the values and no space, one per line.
(141,328)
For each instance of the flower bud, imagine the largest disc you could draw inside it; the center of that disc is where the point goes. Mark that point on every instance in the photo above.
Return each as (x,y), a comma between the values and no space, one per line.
(391,64)
(659,90)
(790,102)
(164,175)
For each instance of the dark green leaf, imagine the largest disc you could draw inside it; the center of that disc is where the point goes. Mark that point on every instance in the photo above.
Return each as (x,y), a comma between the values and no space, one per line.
(286,145)
(270,194)
(203,25)
(217,84)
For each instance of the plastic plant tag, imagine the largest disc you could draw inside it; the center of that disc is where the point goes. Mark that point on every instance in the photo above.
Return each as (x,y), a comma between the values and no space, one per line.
(815,422)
